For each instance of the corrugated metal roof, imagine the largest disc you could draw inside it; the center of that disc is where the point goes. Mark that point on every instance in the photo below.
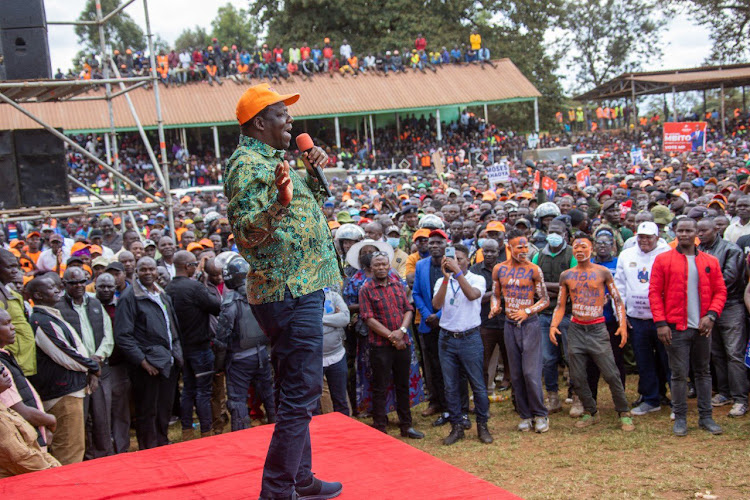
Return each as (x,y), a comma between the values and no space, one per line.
(201,104)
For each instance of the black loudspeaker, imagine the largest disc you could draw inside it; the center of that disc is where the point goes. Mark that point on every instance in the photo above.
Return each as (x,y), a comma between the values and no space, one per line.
(10,197)
(26,53)
(23,39)
(42,170)
(23,14)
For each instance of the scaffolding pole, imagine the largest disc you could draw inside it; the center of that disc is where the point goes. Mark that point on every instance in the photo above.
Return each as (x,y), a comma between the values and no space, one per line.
(86,210)
(159,121)
(84,186)
(77,147)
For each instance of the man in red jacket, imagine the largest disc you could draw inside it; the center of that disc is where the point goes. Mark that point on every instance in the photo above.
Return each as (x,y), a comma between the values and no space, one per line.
(687,293)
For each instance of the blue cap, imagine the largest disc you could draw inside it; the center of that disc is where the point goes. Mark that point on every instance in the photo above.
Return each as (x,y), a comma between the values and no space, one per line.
(328,204)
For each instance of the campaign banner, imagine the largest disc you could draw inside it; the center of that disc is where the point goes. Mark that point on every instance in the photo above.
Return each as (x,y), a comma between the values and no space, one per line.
(537,180)
(583,178)
(498,172)
(636,156)
(684,136)
(550,187)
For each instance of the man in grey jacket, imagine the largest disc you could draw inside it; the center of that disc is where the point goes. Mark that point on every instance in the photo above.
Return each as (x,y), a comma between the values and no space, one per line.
(335,318)
(729,336)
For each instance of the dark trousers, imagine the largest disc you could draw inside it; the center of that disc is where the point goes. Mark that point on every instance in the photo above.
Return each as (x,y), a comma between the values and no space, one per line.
(432,358)
(97,409)
(120,382)
(728,345)
(335,374)
(153,396)
(241,373)
(592,370)
(524,346)
(592,342)
(492,337)
(466,353)
(553,354)
(651,358)
(690,349)
(388,363)
(295,328)
(197,384)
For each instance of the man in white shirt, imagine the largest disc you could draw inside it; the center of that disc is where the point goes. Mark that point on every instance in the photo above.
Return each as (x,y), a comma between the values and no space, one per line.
(55,256)
(739,227)
(458,293)
(632,281)
(345,50)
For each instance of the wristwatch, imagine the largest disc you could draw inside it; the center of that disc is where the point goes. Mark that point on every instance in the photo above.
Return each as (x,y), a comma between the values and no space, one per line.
(403,329)
(527,311)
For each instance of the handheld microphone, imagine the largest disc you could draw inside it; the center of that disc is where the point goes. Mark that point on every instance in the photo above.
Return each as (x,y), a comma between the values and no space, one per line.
(305,144)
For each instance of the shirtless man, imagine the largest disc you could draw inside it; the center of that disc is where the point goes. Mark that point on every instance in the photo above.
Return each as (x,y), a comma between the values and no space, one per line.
(519,282)
(587,284)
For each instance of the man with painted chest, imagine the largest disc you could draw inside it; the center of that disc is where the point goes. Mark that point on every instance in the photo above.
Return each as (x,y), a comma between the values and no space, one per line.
(521,285)
(586,284)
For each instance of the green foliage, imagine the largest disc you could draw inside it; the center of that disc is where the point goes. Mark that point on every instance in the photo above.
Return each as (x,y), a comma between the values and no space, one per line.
(192,38)
(729,23)
(234,27)
(608,37)
(121,32)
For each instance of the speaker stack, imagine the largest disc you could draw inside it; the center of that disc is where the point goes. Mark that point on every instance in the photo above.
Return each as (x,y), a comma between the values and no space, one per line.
(23,38)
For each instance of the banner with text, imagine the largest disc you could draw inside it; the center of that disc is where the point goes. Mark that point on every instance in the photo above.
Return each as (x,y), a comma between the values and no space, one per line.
(684,136)
(498,172)
(583,178)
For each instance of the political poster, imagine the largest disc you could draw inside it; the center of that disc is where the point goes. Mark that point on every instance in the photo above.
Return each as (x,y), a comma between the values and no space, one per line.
(684,136)
(550,187)
(498,172)
(636,156)
(583,178)
(537,180)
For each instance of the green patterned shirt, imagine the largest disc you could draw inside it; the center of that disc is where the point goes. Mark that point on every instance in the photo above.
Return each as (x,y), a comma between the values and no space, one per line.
(285,246)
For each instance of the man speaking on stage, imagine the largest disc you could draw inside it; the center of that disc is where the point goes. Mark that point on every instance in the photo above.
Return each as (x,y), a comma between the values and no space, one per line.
(280,230)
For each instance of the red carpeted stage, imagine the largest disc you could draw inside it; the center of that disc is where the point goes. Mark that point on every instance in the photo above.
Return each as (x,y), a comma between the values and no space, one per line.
(370,464)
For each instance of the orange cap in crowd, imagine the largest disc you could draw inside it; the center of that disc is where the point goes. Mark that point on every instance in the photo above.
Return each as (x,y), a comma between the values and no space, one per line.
(420,233)
(196,246)
(257,98)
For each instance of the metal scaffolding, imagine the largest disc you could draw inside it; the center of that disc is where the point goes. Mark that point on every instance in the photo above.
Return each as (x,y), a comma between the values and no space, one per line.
(17,93)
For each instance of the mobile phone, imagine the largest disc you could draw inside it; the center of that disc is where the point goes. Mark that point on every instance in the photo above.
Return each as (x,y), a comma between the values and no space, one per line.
(450,252)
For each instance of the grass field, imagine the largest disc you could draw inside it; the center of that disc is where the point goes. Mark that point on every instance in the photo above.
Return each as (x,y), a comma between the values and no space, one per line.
(599,462)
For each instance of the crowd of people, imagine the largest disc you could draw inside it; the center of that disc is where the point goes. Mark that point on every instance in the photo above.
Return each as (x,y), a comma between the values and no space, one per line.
(449,282)
(217,62)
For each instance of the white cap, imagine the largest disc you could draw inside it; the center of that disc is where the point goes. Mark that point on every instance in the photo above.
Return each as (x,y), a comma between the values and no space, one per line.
(648,229)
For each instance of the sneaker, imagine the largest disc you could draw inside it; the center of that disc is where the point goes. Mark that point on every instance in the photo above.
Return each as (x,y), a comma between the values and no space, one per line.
(709,425)
(553,402)
(644,408)
(671,416)
(587,420)
(626,422)
(691,394)
(318,490)
(680,428)
(638,401)
(577,409)
(465,422)
(525,425)
(738,410)
(720,400)
(541,424)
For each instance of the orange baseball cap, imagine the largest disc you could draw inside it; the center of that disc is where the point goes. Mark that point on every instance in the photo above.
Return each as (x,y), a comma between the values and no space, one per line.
(421,233)
(332,224)
(206,243)
(496,226)
(196,246)
(257,98)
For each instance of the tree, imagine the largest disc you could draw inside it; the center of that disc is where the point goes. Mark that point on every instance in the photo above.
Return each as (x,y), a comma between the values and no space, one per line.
(121,32)
(234,27)
(191,38)
(605,38)
(729,23)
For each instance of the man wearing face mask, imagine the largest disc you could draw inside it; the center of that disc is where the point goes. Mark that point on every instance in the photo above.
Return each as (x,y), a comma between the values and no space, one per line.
(553,259)
(398,263)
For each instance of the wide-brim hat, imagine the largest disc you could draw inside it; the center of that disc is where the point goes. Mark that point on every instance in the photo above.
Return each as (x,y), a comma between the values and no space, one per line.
(352,256)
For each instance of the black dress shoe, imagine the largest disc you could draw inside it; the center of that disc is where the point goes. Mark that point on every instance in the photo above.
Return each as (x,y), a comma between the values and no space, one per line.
(483,433)
(412,433)
(441,420)
(318,490)
(457,433)
(466,422)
